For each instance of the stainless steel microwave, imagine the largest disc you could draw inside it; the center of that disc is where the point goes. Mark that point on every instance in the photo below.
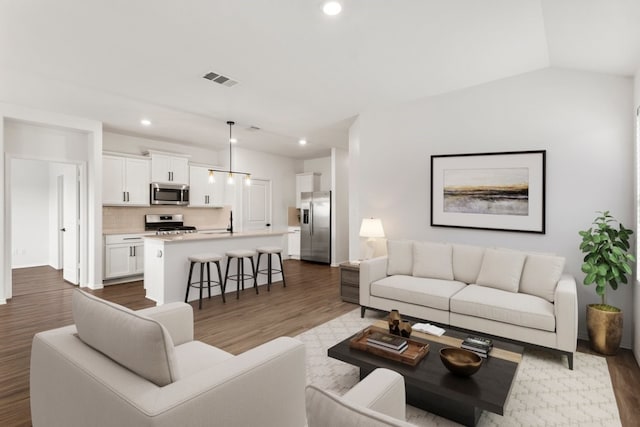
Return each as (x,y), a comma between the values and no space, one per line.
(169,194)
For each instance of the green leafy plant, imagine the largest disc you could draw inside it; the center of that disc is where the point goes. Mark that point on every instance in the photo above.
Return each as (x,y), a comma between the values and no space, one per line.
(607,260)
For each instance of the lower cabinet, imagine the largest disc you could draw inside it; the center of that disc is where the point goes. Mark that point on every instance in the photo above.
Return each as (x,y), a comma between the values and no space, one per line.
(123,256)
(293,242)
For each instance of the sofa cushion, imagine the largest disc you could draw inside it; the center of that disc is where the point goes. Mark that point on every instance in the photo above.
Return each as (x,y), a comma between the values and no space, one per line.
(194,357)
(467,261)
(432,260)
(434,293)
(501,269)
(399,257)
(503,306)
(136,342)
(328,409)
(540,275)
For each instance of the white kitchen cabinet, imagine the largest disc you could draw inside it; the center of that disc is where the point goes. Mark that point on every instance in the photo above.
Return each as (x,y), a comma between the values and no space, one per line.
(125,181)
(169,168)
(123,255)
(306,182)
(293,242)
(202,193)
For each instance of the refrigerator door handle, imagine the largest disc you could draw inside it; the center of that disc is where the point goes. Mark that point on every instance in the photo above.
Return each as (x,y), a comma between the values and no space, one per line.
(311,218)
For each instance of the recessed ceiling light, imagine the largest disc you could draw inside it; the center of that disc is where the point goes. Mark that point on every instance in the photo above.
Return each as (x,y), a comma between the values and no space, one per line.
(145,122)
(302,141)
(332,8)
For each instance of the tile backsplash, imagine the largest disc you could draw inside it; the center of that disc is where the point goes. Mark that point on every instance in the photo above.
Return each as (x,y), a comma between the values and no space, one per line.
(124,219)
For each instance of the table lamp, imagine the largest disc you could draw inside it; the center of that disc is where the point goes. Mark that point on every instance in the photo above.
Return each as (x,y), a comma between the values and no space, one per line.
(372,229)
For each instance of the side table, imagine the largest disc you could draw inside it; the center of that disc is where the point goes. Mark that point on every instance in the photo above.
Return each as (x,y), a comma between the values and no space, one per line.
(350,282)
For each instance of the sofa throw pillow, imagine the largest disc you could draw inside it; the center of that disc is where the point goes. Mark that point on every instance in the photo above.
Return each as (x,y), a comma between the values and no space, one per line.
(540,275)
(432,260)
(467,261)
(501,269)
(399,257)
(136,342)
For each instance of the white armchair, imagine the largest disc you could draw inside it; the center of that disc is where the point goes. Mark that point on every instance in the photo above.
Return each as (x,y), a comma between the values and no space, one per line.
(118,367)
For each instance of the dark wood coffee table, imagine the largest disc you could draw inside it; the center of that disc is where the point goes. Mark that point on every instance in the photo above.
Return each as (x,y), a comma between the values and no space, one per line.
(430,386)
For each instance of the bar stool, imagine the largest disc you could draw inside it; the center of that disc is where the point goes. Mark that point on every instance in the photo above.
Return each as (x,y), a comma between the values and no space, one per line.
(269,271)
(240,255)
(205,259)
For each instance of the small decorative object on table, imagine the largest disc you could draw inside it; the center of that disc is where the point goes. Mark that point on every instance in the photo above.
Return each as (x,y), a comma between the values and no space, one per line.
(460,361)
(405,328)
(479,345)
(394,322)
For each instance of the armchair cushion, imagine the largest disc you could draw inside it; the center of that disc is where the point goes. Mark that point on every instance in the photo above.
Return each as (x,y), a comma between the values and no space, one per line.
(134,341)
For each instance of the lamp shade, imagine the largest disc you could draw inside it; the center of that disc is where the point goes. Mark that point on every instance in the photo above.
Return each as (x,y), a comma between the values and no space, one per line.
(371,227)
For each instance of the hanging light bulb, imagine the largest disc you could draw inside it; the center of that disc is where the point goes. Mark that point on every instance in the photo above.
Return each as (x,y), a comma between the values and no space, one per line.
(247,180)
(211,177)
(230,180)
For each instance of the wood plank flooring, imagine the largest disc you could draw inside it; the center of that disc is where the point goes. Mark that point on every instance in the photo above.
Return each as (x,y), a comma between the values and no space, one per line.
(42,300)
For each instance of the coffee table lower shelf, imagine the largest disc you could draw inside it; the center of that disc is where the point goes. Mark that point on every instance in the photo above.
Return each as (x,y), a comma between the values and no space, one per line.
(430,386)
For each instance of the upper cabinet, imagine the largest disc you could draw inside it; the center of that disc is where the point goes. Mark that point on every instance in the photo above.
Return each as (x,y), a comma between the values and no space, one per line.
(202,193)
(169,168)
(306,182)
(125,181)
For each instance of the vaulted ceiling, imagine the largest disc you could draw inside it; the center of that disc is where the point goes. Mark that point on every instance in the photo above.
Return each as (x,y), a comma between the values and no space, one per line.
(300,74)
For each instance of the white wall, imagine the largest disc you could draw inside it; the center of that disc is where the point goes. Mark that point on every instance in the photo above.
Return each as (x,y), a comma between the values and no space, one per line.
(636,291)
(29,213)
(321,165)
(340,206)
(138,145)
(584,122)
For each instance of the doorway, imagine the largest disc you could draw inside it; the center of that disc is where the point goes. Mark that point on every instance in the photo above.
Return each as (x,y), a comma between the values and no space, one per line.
(45,216)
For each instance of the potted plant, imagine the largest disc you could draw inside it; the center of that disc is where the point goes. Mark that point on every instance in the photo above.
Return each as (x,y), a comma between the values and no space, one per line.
(607,262)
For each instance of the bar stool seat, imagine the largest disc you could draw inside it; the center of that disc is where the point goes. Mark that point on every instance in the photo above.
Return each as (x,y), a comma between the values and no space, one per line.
(269,271)
(240,276)
(202,259)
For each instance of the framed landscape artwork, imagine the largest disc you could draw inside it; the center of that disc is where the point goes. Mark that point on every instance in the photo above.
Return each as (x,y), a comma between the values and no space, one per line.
(491,191)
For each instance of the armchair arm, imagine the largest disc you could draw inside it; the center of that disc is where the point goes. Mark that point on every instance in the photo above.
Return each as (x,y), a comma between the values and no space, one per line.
(383,391)
(370,271)
(566,312)
(176,317)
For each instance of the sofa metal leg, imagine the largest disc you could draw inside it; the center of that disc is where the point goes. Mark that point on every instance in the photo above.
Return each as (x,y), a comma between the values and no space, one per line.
(570,360)
(362,310)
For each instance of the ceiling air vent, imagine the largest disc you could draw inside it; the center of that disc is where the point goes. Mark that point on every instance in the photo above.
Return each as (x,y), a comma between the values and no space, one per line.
(220,79)
(253,128)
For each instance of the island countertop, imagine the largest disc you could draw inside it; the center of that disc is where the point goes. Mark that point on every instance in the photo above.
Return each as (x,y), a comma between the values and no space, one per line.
(167,263)
(214,235)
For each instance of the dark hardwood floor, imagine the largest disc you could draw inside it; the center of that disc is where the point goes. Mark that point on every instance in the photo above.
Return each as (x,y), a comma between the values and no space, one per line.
(42,300)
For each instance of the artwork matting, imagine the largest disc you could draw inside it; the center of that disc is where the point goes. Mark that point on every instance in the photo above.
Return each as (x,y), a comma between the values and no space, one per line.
(490,191)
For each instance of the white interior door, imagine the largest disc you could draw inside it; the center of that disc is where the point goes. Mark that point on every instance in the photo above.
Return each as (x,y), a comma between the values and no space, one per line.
(71,221)
(257,204)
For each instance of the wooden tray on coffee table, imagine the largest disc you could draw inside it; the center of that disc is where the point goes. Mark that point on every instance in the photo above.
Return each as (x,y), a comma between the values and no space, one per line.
(414,353)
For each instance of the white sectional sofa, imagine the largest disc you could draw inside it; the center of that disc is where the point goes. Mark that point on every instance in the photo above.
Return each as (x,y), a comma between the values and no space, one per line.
(501,292)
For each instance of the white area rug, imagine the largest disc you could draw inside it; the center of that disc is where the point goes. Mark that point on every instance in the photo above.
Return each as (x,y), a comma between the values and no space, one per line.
(545,392)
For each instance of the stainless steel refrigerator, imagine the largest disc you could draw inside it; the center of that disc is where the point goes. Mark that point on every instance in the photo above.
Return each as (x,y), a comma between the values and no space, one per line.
(315,226)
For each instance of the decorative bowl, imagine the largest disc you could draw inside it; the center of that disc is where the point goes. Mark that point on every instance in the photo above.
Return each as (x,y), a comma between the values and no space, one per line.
(460,361)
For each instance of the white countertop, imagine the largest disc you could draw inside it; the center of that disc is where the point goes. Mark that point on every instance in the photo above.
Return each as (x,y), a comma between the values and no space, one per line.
(215,235)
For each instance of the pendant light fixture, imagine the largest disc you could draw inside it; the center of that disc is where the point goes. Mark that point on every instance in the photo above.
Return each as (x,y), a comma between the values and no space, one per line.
(230,173)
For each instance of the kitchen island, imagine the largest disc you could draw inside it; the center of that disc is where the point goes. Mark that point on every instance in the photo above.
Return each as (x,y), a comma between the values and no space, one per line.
(166,260)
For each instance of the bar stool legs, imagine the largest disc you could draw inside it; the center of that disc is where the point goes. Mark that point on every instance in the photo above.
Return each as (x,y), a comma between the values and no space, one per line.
(240,275)
(269,271)
(203,259)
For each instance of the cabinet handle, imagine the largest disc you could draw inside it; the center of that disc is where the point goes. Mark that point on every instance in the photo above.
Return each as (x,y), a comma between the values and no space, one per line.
(128,200)
(134,251)
(124,196)
(130,251)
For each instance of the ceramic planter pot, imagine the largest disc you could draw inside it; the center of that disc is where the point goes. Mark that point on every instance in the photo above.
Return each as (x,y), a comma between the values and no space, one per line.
(605,330)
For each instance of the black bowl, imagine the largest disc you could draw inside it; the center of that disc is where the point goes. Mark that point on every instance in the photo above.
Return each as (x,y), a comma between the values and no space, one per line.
(460,361)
